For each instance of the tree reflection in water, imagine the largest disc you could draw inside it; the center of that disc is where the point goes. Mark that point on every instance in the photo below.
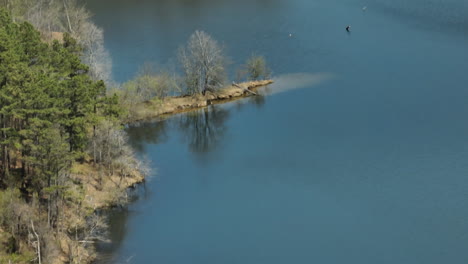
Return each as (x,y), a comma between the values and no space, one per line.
(205,128)
(258,101)
(145,133)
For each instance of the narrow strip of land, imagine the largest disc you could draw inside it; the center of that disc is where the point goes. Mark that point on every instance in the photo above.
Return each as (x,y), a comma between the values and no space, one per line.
(178,104)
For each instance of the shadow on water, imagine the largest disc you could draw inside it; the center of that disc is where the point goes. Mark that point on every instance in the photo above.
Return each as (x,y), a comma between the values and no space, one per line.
(144,133)
(117,233)
(117,222)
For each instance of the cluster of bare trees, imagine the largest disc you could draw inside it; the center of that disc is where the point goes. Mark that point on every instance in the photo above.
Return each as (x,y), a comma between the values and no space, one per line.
(91,37)
(25,222)
(110,149)
(204,65)
(203,68)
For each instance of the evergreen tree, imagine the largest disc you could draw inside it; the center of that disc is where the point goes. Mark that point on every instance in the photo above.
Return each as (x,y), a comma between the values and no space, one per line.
(44,90)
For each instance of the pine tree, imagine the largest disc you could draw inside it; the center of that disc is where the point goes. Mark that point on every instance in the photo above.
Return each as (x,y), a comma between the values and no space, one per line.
(44,90)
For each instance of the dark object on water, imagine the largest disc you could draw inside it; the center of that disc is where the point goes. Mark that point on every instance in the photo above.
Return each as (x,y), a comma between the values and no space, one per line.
(348,28)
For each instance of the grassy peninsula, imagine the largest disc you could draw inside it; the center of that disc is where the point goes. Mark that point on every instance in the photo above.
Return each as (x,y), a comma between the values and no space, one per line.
(179,104)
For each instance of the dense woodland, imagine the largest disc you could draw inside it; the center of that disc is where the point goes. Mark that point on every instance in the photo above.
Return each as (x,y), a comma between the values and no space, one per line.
(52,114)
(49,104)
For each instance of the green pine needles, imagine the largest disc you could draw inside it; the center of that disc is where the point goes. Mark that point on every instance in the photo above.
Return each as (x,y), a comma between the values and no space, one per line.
(48,105)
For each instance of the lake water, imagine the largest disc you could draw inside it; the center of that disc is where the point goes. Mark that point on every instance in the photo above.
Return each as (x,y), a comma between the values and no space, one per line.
(358,153)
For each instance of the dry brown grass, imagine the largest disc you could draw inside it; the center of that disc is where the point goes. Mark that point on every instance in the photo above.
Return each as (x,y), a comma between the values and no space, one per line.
(93,188)
(179,104)
(101,189)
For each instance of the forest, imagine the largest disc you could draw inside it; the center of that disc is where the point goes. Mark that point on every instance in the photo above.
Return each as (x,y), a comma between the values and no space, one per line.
(53,116)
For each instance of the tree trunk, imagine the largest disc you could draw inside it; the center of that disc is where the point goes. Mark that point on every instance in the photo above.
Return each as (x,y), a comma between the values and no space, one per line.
(68,16)
(5,163)
(38,243)
(94,151)
(48,211)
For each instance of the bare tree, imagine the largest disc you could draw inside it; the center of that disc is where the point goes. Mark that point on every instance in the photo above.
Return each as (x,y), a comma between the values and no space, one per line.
(90,37)
(95,55)
(109,148)
(203,63)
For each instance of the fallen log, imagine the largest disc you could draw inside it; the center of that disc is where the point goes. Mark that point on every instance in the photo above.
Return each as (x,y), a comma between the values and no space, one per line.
(245,89)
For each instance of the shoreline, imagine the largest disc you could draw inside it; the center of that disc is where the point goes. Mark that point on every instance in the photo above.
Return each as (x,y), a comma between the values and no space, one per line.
(181,104)
(100,192)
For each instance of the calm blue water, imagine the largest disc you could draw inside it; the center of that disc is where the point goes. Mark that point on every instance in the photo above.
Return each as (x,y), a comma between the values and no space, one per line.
(358,154)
